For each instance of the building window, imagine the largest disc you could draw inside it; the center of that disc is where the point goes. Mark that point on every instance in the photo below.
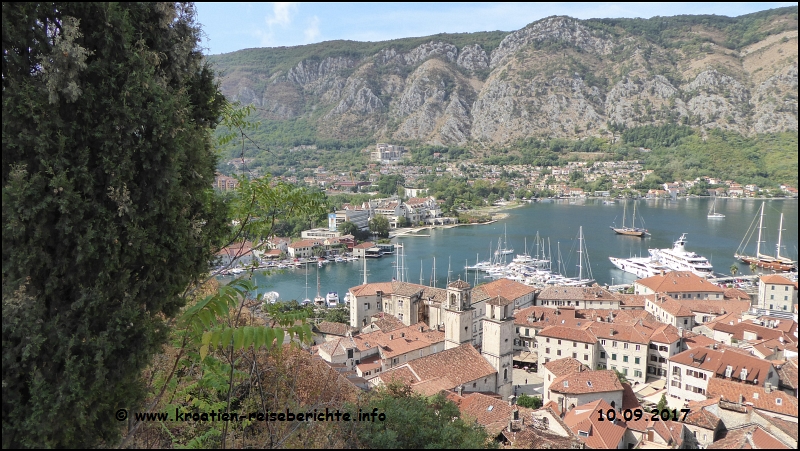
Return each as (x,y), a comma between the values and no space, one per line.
(624,358)
(624,345)
(603,342)
(547,351)
(613,357)
(638,347)
(527,332)
(586,357)
(574,344)
(637,373)
(602,354)
(613,344)
(636,360)
(548,340)
(558,352)
(559,341)
(585,346)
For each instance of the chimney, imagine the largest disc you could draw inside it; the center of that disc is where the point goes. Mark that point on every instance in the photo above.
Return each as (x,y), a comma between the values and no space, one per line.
(612,331)
(511,400)
(767,387)
(460,390)
(391,336)
(741,398)
(421,328)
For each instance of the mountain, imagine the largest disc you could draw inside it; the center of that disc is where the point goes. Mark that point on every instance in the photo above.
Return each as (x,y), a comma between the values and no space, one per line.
(557,77)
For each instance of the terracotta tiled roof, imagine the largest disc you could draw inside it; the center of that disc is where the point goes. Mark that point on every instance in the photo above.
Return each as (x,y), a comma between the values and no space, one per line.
(703,358)
(634,300)
(371,289)
(490,412)
(693,340)
(738,330)
(401,374)
(679,282)
(621,332)
(327,327)
(735,293)
(731,390)
(383,322)
(567,333)
(788,373)
(776,279)
(460,284)
(670,431)
(499,300)
(564,366)
(338,346)
(507,288)
(595,293)
(747,437)
(673,307)
(530,438)
(367,245)
(666,333)
(630,402)
(582,382)
(458,365)
(787,427)
(582,420)
(702,418)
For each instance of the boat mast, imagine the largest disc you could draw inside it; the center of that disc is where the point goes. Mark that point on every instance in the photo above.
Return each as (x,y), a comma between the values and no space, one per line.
(420,272)
(365,266)
(634,215)
(624,213)
(318,282)
(580,256)
(778,250)
(760,226)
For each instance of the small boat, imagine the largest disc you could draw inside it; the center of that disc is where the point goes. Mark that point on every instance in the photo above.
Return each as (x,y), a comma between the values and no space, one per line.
(630,231)
(712,213)
(332,299)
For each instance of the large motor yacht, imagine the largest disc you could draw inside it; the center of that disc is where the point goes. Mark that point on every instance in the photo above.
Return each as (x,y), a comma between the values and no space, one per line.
(679,259)
(642,267)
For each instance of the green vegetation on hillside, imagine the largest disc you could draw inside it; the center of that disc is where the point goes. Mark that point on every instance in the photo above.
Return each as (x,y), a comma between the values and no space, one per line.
(676,31)
(270,60)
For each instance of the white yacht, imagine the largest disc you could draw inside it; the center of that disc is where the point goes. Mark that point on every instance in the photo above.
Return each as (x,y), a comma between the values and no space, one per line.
(640,266)
(679,259)
(332,299)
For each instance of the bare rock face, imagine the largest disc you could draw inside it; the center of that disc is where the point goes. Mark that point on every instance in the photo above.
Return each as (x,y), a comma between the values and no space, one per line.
(564,29)
(448,52)
(717,100)
(357,99)
(309,71)
(557,77)
(473,58)
(775,102)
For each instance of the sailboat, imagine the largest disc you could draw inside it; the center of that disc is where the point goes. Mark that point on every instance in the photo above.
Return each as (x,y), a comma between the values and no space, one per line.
(580,281)
(319,301)
(630,231)
(306,301)
(712,213)
(505,250)
(776,263)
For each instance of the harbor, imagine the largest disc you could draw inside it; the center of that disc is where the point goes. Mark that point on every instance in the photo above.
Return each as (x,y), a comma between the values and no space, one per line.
(453,248)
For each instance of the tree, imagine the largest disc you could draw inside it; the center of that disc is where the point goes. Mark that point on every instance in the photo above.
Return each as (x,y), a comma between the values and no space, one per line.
(108,210)
(531,402)
(379,225)
(734,269)
(349,228)
(662,403)
(402,221)
(621,377)
(414,422)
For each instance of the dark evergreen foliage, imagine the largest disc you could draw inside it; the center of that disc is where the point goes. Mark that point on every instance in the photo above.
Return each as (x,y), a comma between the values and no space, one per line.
(108,212)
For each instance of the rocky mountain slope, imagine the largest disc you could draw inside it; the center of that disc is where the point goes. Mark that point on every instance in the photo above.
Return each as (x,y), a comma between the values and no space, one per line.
(557,77)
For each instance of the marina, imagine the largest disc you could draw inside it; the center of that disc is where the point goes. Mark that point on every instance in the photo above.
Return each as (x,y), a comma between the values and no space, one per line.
(557,222)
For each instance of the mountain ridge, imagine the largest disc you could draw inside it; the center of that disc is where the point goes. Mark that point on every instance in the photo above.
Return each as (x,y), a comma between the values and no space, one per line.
(558,77)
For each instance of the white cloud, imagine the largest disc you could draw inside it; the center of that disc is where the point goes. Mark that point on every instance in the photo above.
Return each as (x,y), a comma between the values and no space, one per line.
(282,14)
(281,17)
(312,31)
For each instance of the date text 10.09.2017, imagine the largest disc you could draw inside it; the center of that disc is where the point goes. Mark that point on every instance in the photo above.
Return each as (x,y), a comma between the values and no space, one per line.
(637,414)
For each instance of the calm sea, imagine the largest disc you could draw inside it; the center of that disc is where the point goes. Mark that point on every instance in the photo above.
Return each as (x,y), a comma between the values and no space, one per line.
(558,223)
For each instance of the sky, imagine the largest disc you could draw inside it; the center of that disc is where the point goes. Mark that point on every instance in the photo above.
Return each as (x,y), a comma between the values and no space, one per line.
(234,26)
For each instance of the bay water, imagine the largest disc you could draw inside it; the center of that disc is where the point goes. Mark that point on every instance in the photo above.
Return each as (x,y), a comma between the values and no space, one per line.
(558,222)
